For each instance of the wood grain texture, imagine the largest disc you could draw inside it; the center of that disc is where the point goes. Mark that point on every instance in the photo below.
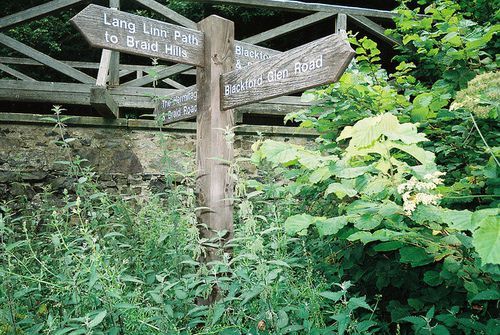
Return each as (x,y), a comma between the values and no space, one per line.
(15,73)
(116,30)
(374,28)
(214,153)
(319,62)
(168,13)
(45,59)
(76,94)
(246,54)
(341,23)
(179,106)
(104,65)
(288,28)
(103,102)
(150,125)
(309,7)
(36,12)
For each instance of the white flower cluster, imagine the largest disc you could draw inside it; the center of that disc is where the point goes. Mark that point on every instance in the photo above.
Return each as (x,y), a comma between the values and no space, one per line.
(416,192)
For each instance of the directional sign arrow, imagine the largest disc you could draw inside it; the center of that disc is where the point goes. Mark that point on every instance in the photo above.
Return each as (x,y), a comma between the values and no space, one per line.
(319,62)
(182,105)
(115,30)
(178,106)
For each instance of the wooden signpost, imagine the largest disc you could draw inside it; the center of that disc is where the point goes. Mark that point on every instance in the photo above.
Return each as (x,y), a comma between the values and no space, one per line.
(229,74)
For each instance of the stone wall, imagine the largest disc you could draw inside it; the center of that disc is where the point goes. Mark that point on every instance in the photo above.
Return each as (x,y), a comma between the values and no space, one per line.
(127,161)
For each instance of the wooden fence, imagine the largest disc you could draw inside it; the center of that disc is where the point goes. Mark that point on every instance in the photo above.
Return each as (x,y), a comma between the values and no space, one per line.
(114,92)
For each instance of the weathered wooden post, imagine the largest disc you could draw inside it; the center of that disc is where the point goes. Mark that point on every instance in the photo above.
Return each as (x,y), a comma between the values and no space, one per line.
(214,154)
(341,23)
(114,67)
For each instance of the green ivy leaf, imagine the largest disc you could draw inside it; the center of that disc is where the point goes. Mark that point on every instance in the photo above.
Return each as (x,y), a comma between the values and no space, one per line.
(486,240)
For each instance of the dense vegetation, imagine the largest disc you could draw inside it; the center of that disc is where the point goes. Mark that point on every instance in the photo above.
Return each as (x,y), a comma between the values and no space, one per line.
(387,224)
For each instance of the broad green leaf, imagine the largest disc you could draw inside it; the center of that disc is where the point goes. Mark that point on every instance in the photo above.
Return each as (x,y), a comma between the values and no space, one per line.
(249,295)
(459,220)
(388,208)
(347,132)
(453,38)
(486,240)
(440,330)
(416,320)
(487,295)
(308,96)
(346,172)
(358,302)
(320,174)
(376,185)
(379,235)
(217,314)
(310,160)
(97,319)
(334,296)
(283,319)
(388,246)
(363,326)
(340,190)
(331,226)
(128,278)
(404,132)
(298,224)
(423,156)
(415,256)
(278,152)
(367,221)
(360,207)
(432,278)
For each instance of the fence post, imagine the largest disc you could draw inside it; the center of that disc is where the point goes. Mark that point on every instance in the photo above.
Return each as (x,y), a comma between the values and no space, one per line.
(114,67)
(341,23)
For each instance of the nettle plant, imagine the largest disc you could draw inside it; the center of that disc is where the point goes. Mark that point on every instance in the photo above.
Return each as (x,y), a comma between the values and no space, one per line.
(380,194)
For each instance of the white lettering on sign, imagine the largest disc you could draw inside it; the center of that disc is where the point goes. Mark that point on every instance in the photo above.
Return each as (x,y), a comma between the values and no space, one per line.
(177,107)
(142,45)
(275,76)
(115,30)
(179,99)
(243,85)
(149,29)
(257,55)
(118,23)
(311,66)
(185,38)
